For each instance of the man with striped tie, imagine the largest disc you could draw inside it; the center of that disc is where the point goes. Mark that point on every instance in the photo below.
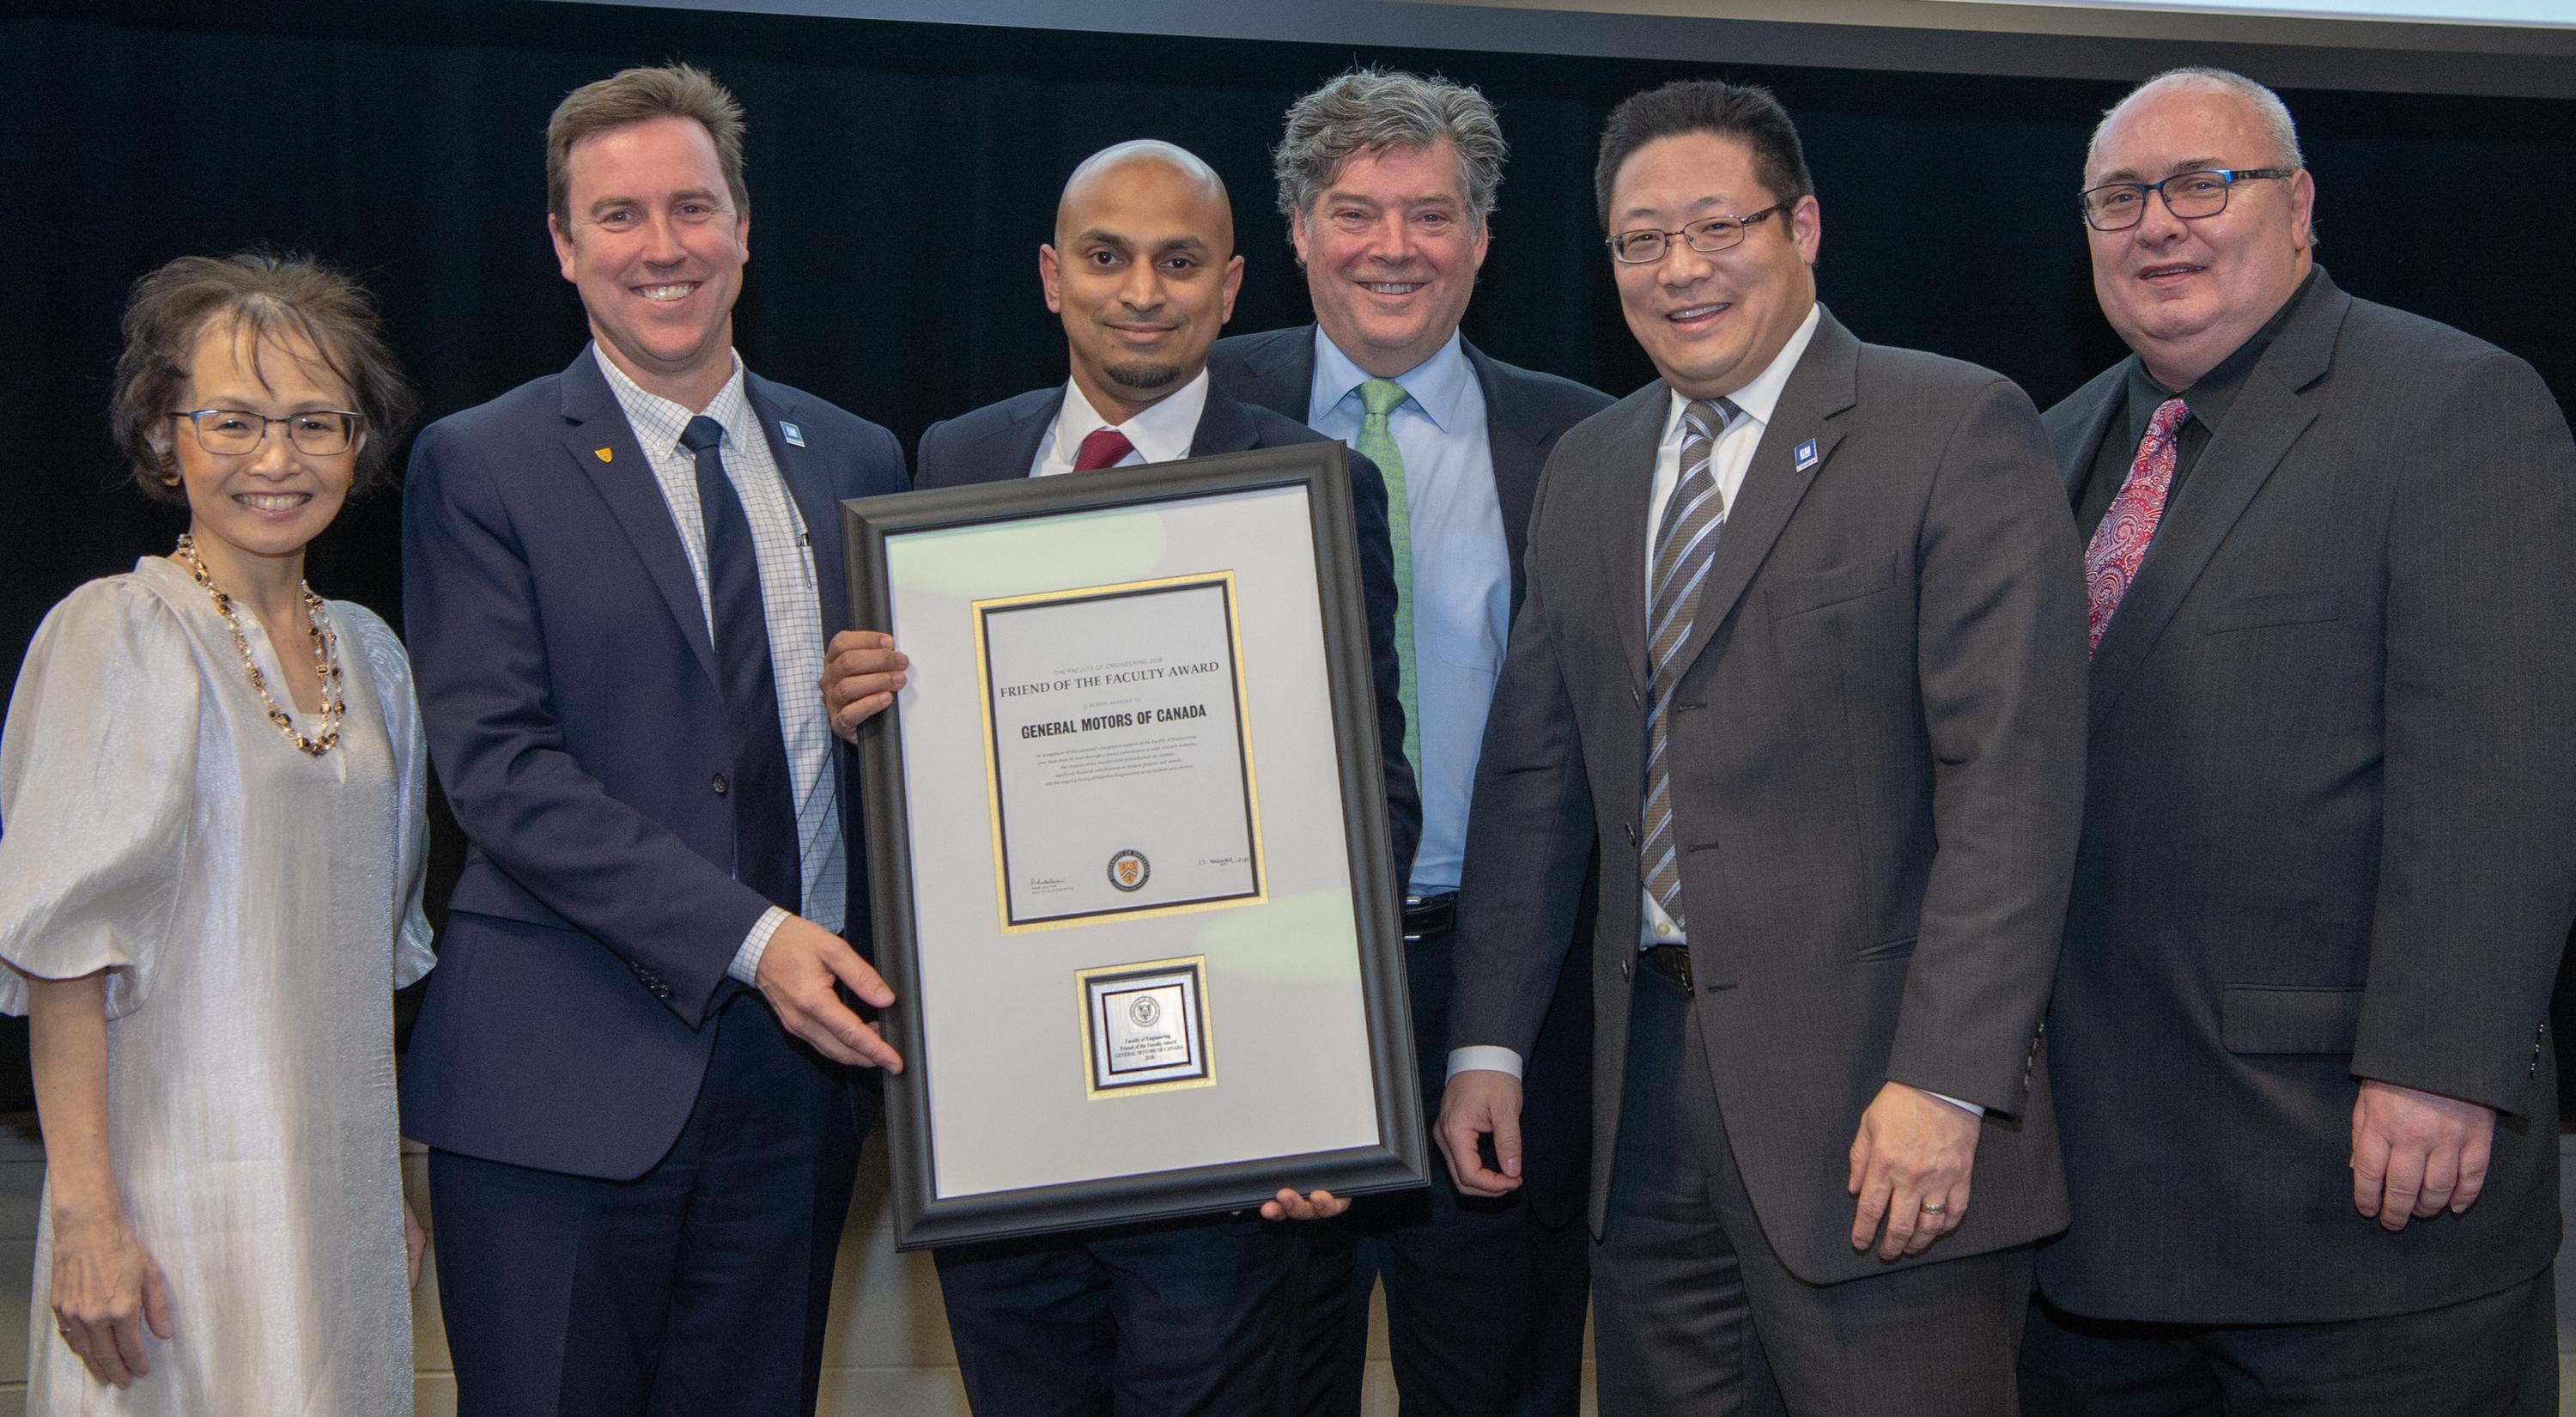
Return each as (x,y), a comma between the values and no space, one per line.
(1802,652)
(1387,180)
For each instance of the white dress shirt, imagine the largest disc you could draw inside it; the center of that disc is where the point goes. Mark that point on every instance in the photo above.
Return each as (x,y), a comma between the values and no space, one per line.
(1161,433)
(790,603)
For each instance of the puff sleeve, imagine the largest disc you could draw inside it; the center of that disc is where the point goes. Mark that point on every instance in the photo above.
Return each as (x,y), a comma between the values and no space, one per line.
(97,790)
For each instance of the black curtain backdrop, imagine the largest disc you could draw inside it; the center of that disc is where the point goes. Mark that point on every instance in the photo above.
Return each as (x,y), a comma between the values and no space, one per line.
(902,176)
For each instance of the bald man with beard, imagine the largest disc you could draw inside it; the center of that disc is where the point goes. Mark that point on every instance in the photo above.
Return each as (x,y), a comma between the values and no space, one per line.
(1196,1315)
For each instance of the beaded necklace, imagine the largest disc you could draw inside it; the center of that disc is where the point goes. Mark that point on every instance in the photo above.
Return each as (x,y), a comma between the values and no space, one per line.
(326,656)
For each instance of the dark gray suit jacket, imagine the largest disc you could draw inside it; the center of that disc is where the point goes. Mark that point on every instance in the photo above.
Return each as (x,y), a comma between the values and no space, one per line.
(1000,441)
(1877,765)
(2330,831)
(1525,413)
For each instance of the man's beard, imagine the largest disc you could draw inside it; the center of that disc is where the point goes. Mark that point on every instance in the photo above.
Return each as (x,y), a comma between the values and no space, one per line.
(1144,374)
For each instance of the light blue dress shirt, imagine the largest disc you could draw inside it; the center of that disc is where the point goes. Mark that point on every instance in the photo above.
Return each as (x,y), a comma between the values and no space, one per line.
(1462,574)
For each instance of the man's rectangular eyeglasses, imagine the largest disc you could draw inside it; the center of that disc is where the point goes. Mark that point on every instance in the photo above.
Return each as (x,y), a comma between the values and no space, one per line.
(233,431)
(2117,206)
(1645,247)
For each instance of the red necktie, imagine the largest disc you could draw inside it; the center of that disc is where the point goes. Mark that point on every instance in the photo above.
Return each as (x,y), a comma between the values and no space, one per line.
(2120,542)
(1103,448)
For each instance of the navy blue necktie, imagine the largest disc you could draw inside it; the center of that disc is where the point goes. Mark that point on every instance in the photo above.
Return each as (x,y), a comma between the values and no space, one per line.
(765,855)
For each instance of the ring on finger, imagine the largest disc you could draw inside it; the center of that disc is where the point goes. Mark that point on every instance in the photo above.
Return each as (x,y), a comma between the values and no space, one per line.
(1934,1208)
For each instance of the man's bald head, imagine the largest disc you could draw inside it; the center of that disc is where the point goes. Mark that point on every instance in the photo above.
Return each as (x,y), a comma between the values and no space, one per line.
(1147,160)
(1142,271)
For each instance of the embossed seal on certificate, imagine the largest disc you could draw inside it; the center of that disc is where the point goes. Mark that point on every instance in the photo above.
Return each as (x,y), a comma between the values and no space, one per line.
(1145,1026)
(1129,870)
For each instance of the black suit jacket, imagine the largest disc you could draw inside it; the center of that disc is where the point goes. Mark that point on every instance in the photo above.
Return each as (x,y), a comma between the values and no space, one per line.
(1525,413)
(570,697)
(1876,752)
(2329,831)
(1000,441)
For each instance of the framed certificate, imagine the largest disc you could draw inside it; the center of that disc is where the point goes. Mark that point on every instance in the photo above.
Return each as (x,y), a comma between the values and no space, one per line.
(1127,848)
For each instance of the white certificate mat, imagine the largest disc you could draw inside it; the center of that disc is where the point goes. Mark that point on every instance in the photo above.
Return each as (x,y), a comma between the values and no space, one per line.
(1117,761)
(1007,1051)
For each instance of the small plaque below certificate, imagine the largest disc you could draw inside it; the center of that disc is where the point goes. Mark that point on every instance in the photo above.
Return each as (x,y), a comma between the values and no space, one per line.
(1146,1026)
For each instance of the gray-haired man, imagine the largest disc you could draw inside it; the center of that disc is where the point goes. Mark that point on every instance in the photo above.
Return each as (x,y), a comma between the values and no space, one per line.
(1387,180)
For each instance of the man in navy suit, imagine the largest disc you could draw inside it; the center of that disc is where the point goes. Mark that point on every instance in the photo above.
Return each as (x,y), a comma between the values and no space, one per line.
(1387,180)
(1195,1315)
(619,582)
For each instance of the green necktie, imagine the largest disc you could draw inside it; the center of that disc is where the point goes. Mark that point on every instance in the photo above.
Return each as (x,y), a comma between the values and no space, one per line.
(1377,444)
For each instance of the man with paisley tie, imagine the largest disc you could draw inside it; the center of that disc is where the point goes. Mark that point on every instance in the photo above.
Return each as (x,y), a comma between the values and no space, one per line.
(1801,653)
(2329,850)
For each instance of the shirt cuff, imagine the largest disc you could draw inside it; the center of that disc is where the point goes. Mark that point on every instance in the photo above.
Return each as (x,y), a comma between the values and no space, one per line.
(746,960)
(1485,1056)
(1969,1106)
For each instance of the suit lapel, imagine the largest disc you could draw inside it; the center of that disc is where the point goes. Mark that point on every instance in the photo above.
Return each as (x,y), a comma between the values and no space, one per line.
(1009,451)
(2077,442)
(1225,426)
(1821,386)
(625,480)
(1517,460)
(811,487)
(1281,372)
(2265,419)
(1626,482)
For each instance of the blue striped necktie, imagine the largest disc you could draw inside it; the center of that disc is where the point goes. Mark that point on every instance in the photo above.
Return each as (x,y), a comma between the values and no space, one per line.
(1685,543)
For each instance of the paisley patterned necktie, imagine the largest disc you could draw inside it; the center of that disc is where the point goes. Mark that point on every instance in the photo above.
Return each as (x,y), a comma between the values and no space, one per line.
(2120,542)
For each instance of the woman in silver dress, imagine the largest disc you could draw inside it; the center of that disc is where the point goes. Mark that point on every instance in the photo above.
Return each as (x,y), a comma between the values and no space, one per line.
(212,782)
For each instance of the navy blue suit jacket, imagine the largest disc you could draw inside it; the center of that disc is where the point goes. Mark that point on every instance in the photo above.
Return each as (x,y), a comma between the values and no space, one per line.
(574,718)
(1525,413)
(1000,441)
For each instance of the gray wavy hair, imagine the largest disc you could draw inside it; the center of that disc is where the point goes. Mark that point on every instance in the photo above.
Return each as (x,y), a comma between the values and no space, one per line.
(1368,109)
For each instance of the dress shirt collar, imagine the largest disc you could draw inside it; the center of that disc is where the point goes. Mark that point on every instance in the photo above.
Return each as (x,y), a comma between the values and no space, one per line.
(1760,397)
(657,419)
(1161,433)
(1438,385)
(2208,399)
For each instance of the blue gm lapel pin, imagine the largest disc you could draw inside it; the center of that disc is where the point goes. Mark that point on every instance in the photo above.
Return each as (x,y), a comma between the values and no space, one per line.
(1805,456)
(795,435)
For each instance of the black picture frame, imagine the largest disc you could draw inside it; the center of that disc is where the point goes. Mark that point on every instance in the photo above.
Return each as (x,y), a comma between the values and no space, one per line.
(1398,1159)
